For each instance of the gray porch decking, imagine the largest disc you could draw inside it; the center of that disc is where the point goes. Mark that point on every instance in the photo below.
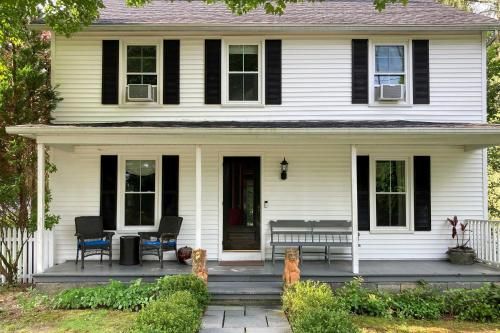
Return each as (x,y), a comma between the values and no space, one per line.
(376,271)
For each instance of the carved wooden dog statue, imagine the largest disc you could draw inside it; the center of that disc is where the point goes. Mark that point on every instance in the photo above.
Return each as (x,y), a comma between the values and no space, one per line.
(291,272)
(200,264)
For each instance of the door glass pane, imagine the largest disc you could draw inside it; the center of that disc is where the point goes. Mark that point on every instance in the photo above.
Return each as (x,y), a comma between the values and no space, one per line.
(132,209)
(235,58)
(147,209)
(397,176)
(132,176)
(251,86)
(236,87)
(147,176)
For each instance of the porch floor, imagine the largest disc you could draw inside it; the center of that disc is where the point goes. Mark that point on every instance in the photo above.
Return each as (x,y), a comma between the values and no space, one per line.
(376,271)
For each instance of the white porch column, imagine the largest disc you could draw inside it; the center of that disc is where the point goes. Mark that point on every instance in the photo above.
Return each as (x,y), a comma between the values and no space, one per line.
(354,209)
(198,181)
(40,222)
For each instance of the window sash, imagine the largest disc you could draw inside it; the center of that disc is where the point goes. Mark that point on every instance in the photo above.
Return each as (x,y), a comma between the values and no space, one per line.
(243,72)
(142,73)
(377,74)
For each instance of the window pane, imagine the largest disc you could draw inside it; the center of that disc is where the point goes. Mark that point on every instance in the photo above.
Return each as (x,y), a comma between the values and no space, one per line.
(147,176)
(132,209)
(251,60)
(396,65)
(132,176)
(235,87)
(149,65)
(391,210)
(389,79)
(148,209)
(133,51)
(251,85)
(149,79)
(235,57)
(383,176)
(134,65)
(149,51)
(389,59)
(134,79)
(397,176)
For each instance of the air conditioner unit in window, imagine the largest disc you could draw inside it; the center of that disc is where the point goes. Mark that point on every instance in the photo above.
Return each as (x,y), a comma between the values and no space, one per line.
(390,92)
(140,93)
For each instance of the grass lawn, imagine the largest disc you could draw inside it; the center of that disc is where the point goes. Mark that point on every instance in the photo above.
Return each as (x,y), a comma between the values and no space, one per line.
(381,325)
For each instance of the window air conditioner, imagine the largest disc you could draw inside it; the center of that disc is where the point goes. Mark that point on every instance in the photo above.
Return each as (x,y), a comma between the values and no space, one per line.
(390,92)
(140,93)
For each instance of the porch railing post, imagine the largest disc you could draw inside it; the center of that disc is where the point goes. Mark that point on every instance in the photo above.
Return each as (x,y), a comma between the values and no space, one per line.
(40,216)
(198,180)
(354,209)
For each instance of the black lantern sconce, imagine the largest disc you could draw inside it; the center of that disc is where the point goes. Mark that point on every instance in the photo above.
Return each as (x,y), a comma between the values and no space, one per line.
(284,168)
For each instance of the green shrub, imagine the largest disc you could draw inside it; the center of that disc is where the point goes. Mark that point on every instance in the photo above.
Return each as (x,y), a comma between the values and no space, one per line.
(115,295)
(481,304)
(312,308)
(363,301)
(419,303)
(171,284)
(176,313)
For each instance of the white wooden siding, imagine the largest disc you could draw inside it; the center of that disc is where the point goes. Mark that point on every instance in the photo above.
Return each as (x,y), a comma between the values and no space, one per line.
(318,187)
(316,83)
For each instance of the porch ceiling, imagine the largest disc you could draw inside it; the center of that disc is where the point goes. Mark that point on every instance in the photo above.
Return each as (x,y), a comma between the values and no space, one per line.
(469,135)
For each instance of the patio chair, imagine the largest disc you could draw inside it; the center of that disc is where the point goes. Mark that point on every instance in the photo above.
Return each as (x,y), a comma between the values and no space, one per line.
(92,239)
(165,239)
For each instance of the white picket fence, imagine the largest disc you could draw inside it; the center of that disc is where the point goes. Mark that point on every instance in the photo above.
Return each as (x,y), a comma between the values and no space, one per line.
(485,240)
(26,265)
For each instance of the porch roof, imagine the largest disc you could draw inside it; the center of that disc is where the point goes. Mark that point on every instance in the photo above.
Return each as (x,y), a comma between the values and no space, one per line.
(471,135)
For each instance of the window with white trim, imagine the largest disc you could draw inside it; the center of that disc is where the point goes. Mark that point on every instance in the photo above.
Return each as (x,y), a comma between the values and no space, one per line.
(142,73)
(390,71)
(140,192)
(391,196)
(243,73)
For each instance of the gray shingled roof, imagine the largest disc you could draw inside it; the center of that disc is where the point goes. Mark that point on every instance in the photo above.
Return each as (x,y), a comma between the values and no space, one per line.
(336,13)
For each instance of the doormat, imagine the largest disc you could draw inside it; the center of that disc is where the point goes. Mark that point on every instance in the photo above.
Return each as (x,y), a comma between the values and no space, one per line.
(242,263)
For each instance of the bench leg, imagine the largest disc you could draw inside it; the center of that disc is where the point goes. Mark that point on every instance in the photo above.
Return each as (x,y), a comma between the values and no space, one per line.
(328,249)
(326,253)
(300,253)
(272,254)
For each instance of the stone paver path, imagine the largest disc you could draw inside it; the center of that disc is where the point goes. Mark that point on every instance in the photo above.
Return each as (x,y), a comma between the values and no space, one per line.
(244,319)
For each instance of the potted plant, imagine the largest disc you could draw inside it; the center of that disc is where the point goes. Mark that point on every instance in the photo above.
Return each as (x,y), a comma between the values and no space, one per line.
(460,254)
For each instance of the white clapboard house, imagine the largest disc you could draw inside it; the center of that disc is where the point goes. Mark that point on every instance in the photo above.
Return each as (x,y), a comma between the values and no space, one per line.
(182,108)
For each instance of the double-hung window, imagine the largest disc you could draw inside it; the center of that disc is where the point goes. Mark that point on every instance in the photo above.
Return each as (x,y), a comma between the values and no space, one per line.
(391,196)
(390,70)
(142,73)
(243,73)
(140,192)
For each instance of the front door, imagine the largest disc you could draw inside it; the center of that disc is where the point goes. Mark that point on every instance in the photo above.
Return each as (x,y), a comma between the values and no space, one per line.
(241,204)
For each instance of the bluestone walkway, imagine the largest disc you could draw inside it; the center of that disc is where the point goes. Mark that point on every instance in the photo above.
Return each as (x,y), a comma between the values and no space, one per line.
(244,319)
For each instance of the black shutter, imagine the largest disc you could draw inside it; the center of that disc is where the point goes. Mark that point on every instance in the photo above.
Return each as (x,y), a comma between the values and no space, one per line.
(170,186)
(109,191)
(171,61)
(359,65)
(420,72)
(422,194)
(212,71)
(363,180)
(273,71)
(110,64)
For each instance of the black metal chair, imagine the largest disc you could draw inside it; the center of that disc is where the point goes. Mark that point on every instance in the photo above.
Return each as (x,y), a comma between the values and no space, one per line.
(165,239)
(92,239)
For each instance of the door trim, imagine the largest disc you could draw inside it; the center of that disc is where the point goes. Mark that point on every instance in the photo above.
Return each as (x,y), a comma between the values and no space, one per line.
(240,255)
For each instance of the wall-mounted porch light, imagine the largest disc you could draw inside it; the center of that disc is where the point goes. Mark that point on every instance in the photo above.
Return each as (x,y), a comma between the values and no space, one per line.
(284,168)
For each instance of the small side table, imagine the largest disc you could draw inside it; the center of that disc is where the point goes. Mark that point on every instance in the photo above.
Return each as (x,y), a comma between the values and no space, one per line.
(129,250)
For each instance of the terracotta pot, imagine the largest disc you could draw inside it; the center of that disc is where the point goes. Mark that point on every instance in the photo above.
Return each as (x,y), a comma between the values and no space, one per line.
(461,256)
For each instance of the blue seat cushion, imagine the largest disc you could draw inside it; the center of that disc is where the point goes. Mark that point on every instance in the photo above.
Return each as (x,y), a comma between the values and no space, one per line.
(170,243)
(97,242)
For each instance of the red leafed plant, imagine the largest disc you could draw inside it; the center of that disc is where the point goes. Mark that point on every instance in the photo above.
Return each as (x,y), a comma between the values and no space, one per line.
(454,233)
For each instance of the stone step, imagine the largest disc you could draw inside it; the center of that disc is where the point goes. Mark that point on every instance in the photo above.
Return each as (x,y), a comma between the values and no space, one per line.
(245,290)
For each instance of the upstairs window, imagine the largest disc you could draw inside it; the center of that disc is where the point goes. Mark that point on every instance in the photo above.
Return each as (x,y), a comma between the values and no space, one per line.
(142,73)
(390,73)
(243,73)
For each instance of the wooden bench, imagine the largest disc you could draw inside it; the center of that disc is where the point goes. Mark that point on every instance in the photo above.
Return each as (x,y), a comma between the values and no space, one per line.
(301,233)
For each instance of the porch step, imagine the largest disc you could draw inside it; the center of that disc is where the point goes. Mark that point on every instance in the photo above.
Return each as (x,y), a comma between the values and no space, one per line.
(258,291)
